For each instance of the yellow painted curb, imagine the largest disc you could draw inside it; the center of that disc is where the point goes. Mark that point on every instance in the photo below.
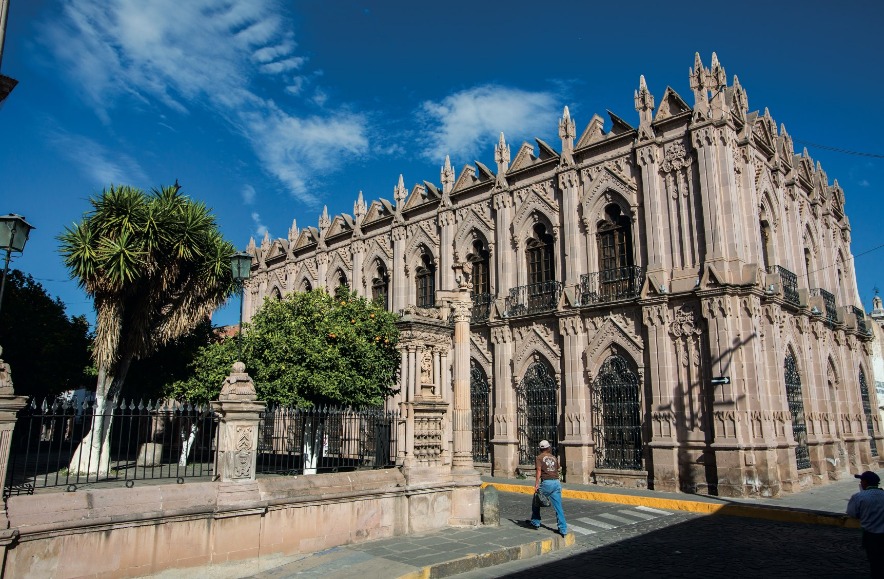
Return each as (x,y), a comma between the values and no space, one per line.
(772,513)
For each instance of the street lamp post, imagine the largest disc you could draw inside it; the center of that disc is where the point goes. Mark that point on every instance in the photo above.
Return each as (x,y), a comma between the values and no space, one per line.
(241,268)
(14,231)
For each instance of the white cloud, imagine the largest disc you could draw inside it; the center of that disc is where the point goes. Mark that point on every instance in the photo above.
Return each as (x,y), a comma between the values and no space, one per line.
(248,194)
(864,183)
(101,165)
(260,228)
(464,123)
(203,53)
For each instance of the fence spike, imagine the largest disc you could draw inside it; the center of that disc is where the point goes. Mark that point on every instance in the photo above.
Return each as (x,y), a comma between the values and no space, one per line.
(141,404)
(44,407)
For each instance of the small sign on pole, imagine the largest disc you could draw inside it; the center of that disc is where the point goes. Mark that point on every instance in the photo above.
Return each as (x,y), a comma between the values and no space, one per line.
(719,380)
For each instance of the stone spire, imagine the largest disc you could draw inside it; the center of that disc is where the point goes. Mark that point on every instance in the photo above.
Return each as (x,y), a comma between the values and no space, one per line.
(877,309)
(265,243)
(447,176)
(741,101)
(697,76)
(644,102)
(502,158)
(400,192)
(251,248)
(359,208)
(324,221)
(293,231)
(567,132)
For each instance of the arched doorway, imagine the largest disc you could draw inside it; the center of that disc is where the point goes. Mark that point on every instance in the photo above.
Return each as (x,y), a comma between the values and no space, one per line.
(480,404)
(796,407)
(617,416)
(538,417)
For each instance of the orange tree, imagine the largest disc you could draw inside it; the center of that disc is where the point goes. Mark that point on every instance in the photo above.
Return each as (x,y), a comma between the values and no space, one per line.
(307,348)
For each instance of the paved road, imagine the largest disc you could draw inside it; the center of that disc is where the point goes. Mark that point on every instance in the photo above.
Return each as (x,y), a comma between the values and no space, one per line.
(626,541)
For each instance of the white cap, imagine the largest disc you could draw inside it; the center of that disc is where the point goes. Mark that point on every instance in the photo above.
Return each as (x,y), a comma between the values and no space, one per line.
(544,444)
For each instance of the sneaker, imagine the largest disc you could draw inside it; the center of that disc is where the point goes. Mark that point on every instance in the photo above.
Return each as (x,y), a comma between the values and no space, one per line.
(530,525)
(563,533)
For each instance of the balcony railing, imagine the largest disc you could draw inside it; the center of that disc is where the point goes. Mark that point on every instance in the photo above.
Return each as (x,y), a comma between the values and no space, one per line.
(829,302)
(860,320)
(621,283)
(790,283)
(481,308)
(534,298)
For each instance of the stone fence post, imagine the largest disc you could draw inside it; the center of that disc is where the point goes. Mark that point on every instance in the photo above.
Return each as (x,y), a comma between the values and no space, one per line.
(239,413)
(10,404)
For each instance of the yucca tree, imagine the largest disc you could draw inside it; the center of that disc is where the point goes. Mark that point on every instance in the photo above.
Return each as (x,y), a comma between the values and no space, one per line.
(155,265)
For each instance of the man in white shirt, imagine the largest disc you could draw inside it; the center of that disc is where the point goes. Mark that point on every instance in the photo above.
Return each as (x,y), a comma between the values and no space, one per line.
(868,506)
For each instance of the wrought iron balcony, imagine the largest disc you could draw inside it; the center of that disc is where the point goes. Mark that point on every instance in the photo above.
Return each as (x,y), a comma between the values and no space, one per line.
(829,302)
(621,283)
(790,283)
(860,320)
(481,308)
(534,298)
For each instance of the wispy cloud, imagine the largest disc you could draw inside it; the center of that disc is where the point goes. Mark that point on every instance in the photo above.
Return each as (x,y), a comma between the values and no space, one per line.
(465,122)
(98,163)
(260,228)
(864,183)
(206,53)
(248,194)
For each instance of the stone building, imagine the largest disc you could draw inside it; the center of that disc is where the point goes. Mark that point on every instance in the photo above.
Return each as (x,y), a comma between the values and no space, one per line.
(673,304)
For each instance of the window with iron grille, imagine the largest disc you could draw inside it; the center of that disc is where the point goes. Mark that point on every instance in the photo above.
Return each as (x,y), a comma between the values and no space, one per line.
(538,417)
(539,252)
(614,240)
(479,258)
(480,401)
(342,279)
(616,409)
(380,286)
(426,282)
(795,400)
(867,410)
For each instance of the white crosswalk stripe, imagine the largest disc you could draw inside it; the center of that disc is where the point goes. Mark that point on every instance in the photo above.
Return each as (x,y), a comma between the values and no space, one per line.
(595,523)
(642,516)
(580,530)
(618,518)
(655,511)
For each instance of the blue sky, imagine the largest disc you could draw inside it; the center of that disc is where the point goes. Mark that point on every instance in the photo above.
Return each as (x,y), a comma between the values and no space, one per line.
(269,109)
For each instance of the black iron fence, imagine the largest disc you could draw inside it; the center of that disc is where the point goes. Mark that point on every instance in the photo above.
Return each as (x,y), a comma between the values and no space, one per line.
(52,444)
(481,308)
(860,320)
(619,283)
(790,284)
(325,439)
(828,302)
(534,298)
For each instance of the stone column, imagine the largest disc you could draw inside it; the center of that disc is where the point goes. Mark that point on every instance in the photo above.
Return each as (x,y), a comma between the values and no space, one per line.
(358,283)
(399,281)
(577,444)
(239,413)
(322,272)
(465,500)
(505,439)
(10,404)
(503,204)
(446,248)
(568,185)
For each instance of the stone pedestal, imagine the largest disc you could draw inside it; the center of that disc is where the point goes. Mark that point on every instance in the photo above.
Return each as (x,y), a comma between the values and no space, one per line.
(239,414)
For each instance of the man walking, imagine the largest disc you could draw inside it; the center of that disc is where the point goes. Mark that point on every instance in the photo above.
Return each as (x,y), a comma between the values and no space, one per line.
(868,506)
(546,479)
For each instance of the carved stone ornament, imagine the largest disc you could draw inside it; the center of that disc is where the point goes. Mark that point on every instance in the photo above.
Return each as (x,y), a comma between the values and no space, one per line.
(238,385)
(675,157)
(5,376)
(683,323)
(426,369)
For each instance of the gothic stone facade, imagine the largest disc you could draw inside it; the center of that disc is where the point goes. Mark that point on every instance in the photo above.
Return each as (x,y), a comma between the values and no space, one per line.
(672,304)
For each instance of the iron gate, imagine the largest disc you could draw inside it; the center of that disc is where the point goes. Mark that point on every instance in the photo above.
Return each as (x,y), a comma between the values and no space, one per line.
(538,416)
(480,403)
(796,408)
(617,416)
(867,410)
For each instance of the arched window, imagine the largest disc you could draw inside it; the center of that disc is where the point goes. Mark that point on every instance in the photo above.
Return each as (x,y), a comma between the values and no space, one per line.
(481,292)
(480,402)
(867,410)
(614,238)
(766,241)
(538,417)
(795,399)
(808,266)
(342,280)
(539,252)
(616,410)
(425,279)
(275,293)
(380,285)
(306,286)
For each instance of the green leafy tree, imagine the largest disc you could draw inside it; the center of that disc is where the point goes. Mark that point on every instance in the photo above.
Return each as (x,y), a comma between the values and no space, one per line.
(308,348)
(47,350)
(155,265)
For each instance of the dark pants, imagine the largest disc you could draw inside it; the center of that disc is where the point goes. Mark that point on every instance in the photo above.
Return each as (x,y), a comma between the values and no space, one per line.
(873,543)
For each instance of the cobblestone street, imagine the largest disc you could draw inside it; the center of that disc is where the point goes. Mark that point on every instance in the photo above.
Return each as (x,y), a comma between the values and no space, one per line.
(640,541)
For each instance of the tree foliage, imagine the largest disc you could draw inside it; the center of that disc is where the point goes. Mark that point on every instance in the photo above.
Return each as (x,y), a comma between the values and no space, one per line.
(308,348)
(47,350)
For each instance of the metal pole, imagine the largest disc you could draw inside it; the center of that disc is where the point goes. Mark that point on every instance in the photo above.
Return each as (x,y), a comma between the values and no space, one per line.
(5,269)
(4,10)
(239,333)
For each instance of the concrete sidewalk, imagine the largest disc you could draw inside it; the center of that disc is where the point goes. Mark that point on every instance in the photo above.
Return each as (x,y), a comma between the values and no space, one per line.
(456,550)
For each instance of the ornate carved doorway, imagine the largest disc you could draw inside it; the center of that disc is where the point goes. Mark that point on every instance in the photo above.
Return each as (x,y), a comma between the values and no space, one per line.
(479,400)
(616,410)
(538,412)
